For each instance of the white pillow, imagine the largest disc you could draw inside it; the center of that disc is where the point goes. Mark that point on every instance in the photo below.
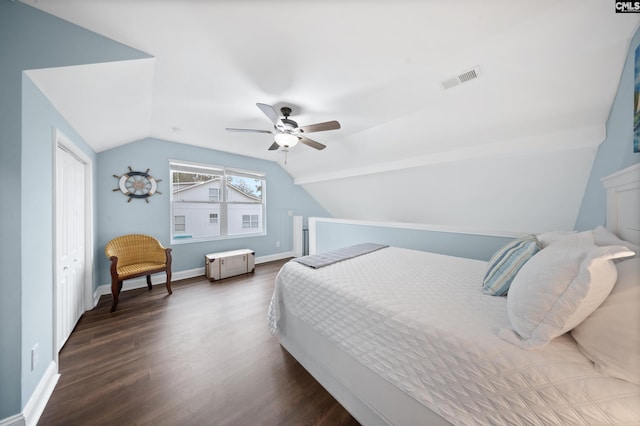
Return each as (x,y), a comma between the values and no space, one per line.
(558,288)
(603,237)
(610,336)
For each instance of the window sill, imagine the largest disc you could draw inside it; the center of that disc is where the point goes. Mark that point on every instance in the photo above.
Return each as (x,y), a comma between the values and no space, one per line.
(186,239)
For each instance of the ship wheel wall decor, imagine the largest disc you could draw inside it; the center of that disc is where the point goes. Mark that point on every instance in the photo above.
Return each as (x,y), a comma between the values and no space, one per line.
(135,184)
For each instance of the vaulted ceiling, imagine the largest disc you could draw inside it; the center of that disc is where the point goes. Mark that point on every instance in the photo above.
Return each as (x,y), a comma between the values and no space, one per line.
(548,73)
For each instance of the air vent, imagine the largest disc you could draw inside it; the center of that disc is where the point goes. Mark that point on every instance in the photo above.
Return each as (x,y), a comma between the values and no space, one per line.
(461,78)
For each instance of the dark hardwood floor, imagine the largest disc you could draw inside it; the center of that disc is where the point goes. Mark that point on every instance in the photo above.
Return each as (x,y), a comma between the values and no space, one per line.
(203,356)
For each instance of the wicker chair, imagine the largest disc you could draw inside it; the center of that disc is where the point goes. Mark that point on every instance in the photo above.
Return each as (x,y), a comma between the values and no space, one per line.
(134,256)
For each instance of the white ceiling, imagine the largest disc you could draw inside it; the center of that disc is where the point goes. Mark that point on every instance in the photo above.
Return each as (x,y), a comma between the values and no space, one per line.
(548,67)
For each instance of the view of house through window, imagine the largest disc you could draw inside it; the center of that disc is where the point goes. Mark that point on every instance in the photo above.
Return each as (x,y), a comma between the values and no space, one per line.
(209,202)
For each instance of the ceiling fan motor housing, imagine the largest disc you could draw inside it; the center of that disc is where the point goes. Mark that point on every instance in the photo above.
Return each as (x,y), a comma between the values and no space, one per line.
(286,111)
(288,125)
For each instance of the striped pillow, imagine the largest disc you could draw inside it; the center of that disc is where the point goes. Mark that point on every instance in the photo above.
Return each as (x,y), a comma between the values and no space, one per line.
(506,262)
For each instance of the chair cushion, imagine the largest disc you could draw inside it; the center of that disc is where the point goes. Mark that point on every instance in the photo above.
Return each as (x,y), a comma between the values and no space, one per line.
(139,269)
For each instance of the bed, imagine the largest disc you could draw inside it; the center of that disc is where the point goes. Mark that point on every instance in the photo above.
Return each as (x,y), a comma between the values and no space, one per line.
(406,337)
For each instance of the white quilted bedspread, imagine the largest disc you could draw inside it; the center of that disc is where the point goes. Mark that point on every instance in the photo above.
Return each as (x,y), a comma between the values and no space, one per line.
(421,321)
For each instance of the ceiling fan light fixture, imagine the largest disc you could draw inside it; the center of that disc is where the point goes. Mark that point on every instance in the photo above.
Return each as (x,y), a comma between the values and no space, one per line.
(286,140)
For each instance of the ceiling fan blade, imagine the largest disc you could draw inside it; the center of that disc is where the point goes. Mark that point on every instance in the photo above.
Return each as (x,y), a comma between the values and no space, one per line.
(274,146)
(231,129)
(269,112)
(320,127)
(311,143)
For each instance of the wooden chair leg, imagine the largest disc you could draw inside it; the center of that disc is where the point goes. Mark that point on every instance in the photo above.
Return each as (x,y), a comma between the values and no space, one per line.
(115,290)
(169,281)
(149,286)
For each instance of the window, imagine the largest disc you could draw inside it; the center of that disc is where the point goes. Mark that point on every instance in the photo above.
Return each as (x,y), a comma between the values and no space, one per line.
(211,202)
(250,221)
(179,223)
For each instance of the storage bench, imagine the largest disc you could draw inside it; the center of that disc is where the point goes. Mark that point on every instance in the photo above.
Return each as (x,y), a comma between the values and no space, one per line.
(228,264)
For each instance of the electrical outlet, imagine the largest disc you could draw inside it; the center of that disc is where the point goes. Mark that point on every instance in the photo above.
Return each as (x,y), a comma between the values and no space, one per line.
(277,243)
(34,357)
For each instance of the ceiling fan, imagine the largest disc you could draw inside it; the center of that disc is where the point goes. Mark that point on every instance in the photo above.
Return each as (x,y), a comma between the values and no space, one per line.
(287,132)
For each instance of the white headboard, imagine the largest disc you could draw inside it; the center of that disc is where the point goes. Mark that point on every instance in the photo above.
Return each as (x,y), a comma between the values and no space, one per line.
(623,203)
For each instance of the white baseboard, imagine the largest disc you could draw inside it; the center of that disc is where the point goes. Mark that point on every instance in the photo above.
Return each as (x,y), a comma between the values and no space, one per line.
(272,257)
(180,275)
(17,420)
(38,401)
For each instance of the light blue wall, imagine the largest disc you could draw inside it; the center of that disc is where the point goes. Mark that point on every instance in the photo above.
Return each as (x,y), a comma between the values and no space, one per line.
(39,118)
(30,40)
(616,152)
(331,236)
(116,216)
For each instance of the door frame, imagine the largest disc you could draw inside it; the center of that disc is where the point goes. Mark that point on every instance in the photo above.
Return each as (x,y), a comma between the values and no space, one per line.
(63,142)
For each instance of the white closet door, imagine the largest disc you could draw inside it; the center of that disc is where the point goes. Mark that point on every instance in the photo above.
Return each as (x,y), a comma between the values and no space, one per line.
(70,238)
